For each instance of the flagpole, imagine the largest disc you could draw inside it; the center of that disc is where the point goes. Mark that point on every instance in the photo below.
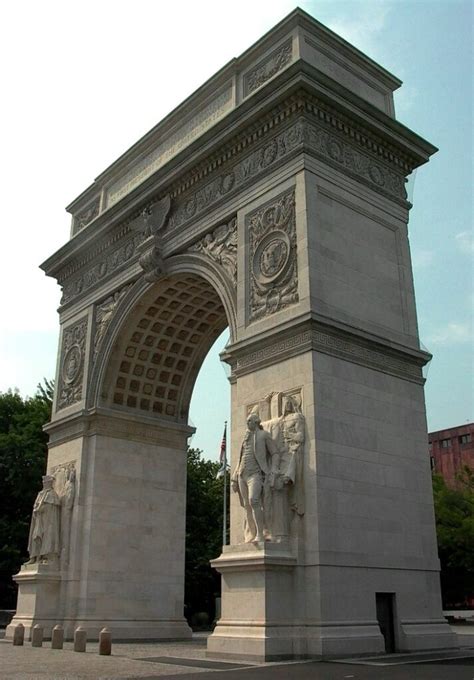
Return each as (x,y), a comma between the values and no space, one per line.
(224,523)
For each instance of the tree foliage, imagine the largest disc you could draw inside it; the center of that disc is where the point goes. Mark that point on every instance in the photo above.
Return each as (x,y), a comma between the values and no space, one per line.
(23,451)
(204,503)
(454,509)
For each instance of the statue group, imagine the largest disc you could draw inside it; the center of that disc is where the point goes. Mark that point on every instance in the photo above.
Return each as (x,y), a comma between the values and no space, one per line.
(269,474)
(48,541)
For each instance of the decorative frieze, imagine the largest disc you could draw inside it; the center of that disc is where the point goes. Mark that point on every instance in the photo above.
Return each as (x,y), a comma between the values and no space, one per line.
(272,261)
(359,353)
(314,129)
(106,264)
(71,366)
(236,175)
(343,346)
(221,246)
(358,163)
(268,67)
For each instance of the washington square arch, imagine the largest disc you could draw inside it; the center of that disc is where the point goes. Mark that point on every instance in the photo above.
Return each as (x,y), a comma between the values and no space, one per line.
(272,202)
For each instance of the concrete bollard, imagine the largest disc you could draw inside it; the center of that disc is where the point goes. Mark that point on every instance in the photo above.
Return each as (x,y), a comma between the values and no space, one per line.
(37,636)
(57,637)
(105,642)
(18,635)
(80,639)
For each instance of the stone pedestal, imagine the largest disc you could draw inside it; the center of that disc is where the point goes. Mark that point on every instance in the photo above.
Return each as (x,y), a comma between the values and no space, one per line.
(258,596)
(38,598)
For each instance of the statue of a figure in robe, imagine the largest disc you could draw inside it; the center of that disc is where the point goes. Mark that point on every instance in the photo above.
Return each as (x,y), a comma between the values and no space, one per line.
(43,542)
(287,486)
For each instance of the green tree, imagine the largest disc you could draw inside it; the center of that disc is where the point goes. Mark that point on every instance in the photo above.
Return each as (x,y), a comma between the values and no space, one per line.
(23,451)
(454,510)
(204,503)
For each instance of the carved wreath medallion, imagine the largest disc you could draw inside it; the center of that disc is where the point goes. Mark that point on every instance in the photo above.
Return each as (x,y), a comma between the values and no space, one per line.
(273,275)
(71,371)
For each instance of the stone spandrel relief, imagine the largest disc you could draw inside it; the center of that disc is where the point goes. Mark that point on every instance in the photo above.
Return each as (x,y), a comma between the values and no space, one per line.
(221,246)
(269,473)
(50,527)
(272,261)
(104,313)
(71,371)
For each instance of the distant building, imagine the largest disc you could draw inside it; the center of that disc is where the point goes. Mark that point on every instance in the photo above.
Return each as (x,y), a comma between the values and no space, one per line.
(451,450)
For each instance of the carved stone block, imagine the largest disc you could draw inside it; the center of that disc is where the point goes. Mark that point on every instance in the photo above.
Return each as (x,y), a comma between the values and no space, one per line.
(103,315)
(268,67)
(272,262)
(221,246)
(71,370)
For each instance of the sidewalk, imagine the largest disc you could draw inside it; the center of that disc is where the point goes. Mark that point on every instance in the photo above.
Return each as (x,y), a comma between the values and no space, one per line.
(165,660)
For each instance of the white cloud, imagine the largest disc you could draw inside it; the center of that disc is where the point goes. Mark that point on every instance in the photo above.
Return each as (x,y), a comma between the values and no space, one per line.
(452,334)
(465,242)
(421,259)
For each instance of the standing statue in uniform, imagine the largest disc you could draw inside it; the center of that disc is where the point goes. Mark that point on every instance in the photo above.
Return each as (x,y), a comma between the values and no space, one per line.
(43,542)
(253,475)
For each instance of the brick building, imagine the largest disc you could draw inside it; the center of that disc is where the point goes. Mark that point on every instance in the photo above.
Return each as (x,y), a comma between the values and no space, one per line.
(451,450)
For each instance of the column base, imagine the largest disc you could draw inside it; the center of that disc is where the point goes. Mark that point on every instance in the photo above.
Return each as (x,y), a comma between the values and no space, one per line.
(38,598)
(257,603)
(417,636)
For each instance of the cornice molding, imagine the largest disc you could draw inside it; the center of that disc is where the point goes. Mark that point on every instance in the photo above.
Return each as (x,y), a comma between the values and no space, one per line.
(403,362)
(298,124)
(119,424)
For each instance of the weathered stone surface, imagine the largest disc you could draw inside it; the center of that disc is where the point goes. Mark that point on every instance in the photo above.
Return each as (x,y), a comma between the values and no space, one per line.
(271,201)
(57,637)
(80,639)
(18,636)
(105,642)
(37,636)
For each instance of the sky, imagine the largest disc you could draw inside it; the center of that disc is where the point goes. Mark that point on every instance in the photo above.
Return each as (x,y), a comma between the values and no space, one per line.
(82,81)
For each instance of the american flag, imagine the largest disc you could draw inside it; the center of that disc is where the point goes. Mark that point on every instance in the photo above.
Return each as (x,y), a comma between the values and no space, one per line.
(223,454)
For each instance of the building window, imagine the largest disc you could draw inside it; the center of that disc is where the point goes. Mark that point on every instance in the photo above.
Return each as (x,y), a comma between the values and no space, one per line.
(433,465)
(465,439)
(445,443)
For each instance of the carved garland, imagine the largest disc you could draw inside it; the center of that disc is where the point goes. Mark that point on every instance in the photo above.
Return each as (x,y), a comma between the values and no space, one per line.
(267,68)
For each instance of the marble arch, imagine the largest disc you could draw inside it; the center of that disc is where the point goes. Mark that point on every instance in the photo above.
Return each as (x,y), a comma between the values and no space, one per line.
(273,201)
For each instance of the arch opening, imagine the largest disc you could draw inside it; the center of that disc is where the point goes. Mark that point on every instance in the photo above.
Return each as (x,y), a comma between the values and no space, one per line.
(159,349)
